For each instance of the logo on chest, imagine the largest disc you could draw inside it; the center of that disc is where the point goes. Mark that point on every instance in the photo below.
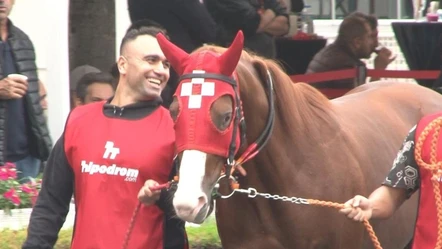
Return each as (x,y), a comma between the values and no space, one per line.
(110,152)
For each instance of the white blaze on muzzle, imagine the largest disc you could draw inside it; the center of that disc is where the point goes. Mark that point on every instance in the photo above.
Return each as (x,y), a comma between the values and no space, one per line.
(187,199)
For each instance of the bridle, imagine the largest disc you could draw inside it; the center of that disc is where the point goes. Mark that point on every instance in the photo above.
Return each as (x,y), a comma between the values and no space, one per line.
(231,166)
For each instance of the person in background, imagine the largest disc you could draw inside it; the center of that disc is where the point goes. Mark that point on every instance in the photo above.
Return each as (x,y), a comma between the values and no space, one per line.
(356,40)
(94,87)
(75,75)
(260,20)
(43,98)
(24,135)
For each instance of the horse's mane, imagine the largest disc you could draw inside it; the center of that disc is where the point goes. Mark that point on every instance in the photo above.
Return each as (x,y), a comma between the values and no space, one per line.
(299,106)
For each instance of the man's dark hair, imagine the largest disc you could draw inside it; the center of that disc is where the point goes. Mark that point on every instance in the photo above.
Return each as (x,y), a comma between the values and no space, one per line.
(351,27)
(144,23)
(89,79)
(371,19)
(138,30)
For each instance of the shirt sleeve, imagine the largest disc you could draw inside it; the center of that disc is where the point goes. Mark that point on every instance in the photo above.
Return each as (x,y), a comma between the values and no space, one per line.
(405,172)
(52,206)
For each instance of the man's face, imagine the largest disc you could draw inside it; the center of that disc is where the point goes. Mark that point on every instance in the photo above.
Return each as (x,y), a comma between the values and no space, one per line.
(98,91)
(145,67)
(43,98)
(366,43)
(5,8)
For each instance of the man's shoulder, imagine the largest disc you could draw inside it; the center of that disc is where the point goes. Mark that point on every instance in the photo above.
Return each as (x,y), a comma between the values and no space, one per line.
(17,33)
(331,57)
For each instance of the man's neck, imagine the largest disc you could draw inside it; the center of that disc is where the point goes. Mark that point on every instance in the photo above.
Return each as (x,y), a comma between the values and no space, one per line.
(4,29)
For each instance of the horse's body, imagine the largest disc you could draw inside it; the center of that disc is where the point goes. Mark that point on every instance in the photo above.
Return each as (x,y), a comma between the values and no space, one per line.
(326,150)
(319,149)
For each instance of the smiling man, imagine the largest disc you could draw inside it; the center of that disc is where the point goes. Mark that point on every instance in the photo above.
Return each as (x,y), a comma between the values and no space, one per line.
(107,156)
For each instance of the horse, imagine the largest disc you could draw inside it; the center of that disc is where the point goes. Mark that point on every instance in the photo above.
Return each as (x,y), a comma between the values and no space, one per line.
(230,101)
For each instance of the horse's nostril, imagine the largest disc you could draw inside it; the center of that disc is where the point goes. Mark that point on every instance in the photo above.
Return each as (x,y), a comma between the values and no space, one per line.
(201,202)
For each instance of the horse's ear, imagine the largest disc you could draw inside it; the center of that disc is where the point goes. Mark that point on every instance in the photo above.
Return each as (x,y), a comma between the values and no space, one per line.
(173,53)
(229,59)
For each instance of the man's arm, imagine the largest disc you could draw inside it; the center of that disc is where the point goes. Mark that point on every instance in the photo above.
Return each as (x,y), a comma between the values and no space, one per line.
(280,25)
(397,187)
(386,200)
(52,206)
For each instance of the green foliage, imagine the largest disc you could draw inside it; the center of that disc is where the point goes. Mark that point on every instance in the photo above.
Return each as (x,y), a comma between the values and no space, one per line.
(202,237)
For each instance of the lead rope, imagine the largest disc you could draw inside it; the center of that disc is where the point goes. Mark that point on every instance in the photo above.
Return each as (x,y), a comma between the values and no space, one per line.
(252,193)
(137,210)
(435,167)
(367,225)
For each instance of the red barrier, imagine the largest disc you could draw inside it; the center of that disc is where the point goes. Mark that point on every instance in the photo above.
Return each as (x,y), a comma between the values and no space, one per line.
(352,73)
(415,74)
(332,93)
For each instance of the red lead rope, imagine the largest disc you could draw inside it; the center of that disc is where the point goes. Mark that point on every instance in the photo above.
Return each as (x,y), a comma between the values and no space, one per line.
(137,209)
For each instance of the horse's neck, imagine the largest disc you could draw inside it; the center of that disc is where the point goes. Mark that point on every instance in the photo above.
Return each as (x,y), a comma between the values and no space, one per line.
(302,132)
(301,123)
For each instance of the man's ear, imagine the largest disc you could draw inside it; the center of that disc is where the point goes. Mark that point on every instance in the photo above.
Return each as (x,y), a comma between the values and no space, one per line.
(78,102)
(122,64)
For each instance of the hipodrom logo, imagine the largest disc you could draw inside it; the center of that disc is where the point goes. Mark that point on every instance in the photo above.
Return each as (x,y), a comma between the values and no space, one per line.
(110,152)
(130,175)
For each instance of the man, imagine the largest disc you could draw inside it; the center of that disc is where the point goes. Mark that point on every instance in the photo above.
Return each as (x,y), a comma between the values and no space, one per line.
(75,76)
(43,98)
(356,40)
(94,87)
(187,22)
(413,169)
(24,135)
(106,156)
(260,20)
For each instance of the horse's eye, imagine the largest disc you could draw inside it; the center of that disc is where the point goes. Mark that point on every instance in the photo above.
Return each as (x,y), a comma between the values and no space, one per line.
(225,120)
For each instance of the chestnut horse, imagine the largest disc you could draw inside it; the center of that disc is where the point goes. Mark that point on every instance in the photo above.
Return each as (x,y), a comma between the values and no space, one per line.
(318,149)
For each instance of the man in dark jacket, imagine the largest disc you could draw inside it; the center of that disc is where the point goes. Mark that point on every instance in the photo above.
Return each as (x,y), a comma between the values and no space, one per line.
(24,136)
(356,40)
(260,20)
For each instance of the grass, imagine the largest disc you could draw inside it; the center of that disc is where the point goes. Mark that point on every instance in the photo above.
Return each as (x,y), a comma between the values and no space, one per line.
(202,237)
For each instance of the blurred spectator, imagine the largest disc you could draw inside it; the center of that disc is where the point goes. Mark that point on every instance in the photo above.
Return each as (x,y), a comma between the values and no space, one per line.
(43,98)
(75,76)
(94,87)
(260,20)
(24,135)
(357,39)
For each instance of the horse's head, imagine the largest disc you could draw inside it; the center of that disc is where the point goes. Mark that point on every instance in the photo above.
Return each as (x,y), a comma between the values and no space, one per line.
(208,120)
